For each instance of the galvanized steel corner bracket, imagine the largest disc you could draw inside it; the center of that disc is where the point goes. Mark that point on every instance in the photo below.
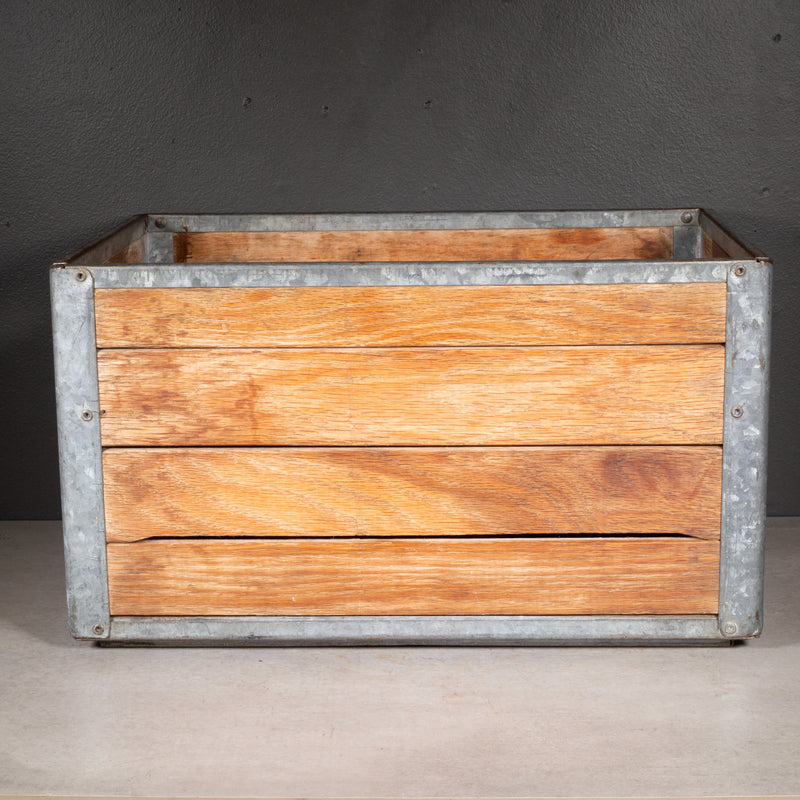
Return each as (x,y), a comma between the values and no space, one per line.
(80,464)
(744,454)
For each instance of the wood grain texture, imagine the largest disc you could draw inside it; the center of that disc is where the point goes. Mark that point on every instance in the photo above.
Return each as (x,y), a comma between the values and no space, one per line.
(414,576)
(257,492)
(712,249)
(421,396)
(677,313)
(426,245)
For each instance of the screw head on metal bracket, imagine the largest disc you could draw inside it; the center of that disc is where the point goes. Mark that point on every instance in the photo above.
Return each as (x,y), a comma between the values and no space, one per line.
(161,222)
(736,412)
(87,414)
(687,217)
(730,629)
(81,275)
(739,270)
(98,630)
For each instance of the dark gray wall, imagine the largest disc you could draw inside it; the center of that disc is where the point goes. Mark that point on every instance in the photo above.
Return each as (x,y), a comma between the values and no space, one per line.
(111,109)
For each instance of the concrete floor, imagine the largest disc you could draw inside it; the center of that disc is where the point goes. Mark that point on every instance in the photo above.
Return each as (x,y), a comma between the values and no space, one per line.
(76,719)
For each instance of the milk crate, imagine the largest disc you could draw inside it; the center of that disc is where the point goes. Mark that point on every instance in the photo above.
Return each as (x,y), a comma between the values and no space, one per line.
(481,428)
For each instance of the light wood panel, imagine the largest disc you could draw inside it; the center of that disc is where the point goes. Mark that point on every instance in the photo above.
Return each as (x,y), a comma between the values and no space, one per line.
(256,492)
(712,249)
(678,313)
(436,396)
(414,576)
(426,245)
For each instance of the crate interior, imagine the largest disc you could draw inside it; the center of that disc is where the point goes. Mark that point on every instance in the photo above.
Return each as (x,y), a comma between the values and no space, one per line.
(425,245)
(242,239)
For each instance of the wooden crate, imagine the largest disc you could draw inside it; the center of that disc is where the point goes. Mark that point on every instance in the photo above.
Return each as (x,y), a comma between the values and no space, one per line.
(439,428)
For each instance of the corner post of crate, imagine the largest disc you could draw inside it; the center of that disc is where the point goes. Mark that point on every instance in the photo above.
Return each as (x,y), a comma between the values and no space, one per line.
(158,243)
(745,448)
(687,237)
(80,464)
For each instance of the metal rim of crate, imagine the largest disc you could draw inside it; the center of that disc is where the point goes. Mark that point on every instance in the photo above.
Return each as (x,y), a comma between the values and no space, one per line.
(443,220)
(418,630)
(155,230)
(744,458)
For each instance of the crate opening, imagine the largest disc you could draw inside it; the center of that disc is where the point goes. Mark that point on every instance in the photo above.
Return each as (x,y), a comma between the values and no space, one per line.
(534,244)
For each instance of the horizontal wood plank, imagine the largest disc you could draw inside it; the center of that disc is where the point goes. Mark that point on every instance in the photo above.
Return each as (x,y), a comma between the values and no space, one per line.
(520,244)
(712,249)
(296,492)
(417,396)
(414,576)
(677,313)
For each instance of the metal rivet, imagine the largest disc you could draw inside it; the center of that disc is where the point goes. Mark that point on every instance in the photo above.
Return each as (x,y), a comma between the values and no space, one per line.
(87,414)
(80,275)
(739,270)
(687,217)
(730,628)
(98,630)
(737,412)
(161,222)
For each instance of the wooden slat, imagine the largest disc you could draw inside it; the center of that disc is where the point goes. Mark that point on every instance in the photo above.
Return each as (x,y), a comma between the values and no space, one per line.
(678,313)
(426,245)
(435,396)
(414,576)
(712,249)
(256,492)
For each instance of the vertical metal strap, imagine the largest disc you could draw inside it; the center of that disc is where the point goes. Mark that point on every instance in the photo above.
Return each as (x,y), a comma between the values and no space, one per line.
(158,248)
(687,243)
(72,296)
(745,449)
